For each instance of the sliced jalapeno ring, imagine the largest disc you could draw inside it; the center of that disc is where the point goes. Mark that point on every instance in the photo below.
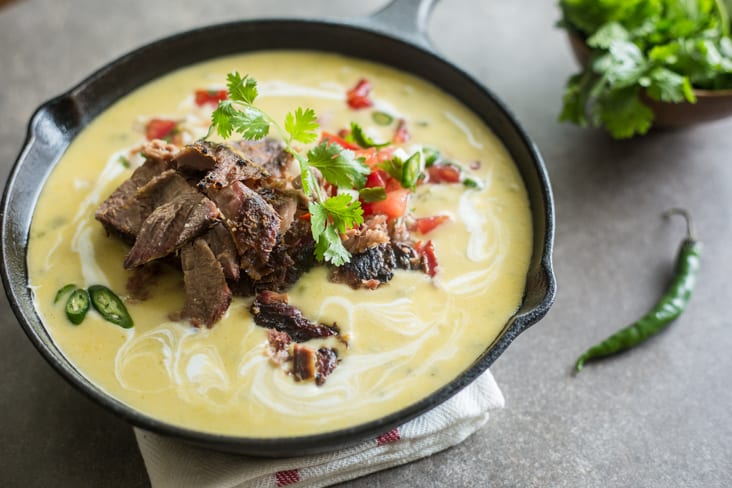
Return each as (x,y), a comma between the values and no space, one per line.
(110,306)
(411,170)
(63,291)
(77,305)
(382,118)
(471,183)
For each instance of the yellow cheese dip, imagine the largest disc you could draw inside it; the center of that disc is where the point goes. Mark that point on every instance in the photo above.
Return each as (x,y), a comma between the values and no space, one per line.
(406,339)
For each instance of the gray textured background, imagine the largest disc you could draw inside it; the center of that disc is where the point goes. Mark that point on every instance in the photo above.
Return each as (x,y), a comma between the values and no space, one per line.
(656,417)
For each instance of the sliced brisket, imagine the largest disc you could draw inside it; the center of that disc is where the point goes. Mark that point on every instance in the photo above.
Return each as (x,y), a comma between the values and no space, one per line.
(207,294)
(268,153)
(220,163)
(253,223)
(171,225)
(114,213)
(222,245)
(272,311)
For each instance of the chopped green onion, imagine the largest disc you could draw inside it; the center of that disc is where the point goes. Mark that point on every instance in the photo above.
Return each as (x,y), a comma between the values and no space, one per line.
(382,118)
(124,162)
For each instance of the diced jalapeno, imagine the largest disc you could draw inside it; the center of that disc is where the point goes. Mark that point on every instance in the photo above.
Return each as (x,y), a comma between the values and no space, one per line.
(431,156)
(471,183)
(77,306)
(382,118)
(110,306)
(63,291)
(372,194)
(411,170)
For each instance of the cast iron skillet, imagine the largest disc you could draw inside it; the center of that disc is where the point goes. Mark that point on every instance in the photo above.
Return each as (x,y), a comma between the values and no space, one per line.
(58,121)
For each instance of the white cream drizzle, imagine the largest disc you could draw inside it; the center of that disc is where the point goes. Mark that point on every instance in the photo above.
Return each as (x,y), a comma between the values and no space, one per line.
(465,129)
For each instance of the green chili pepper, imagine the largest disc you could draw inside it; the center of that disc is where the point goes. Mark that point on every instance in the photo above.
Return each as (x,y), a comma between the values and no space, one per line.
(411,170)
(63,291)
(431,156)
(77,306)
(668,308)
(373,194)
(471,183)
(110,306)
(382,118)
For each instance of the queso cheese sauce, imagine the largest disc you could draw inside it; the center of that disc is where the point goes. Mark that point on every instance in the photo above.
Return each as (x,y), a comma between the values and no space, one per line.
(406,338)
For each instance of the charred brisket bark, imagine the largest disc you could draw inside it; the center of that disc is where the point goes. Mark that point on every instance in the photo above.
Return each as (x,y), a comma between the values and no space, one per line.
(271,310)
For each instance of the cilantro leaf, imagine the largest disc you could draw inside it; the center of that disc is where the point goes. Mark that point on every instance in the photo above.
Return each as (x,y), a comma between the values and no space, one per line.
(358,136)
(241,89)
(576,99)
(339,166)
(221,118)
(302,125)
(622,113)
(607,34)
(328,220)
(667,86)
(250,123)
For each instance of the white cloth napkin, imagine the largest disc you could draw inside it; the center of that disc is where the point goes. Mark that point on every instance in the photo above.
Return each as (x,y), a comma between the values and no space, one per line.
(171,463)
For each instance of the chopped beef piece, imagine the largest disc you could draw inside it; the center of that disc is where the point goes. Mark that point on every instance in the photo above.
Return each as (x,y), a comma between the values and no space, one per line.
(142,280)
(113,213)
(368,269)
(159,149)
(293,256)
(285,203)
(221,164)
(371,233)
(222,244)
(269,153)
(207,294)
(253,223)
(303,362)
(272,311)
(171,225)
(279,344)
(407,256)
(326,362)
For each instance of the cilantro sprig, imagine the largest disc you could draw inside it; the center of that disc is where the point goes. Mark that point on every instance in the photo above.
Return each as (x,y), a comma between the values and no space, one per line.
(329,216)
(658,49)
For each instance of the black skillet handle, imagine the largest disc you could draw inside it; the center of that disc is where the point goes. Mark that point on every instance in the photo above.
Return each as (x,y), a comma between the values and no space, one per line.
(405,19)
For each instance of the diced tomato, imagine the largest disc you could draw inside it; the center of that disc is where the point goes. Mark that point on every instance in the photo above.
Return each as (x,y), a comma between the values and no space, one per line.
(159,128)
(427,251)
(393,206)
(334,139)
(373,157)
(401,134)
(443,173)
(358,96)
(427,224)
(376,178)
(210,97)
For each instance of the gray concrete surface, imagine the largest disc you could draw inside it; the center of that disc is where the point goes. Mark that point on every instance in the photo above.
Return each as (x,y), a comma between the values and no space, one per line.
(656,417)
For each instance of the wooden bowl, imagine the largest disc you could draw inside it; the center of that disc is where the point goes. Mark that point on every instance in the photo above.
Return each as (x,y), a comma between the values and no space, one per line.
(710,104)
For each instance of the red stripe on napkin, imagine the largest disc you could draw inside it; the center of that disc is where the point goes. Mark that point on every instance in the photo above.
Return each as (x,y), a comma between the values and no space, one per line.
(389,437)
(288,477)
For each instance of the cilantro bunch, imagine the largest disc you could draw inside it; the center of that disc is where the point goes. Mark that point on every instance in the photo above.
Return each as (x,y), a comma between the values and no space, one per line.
(659,49)
(329,217)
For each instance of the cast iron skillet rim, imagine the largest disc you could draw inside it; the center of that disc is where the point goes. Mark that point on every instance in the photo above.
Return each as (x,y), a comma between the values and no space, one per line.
(327,440)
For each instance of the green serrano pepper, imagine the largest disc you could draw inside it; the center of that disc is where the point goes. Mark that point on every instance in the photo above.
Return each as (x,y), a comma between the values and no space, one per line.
(668,308)
(110,306)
